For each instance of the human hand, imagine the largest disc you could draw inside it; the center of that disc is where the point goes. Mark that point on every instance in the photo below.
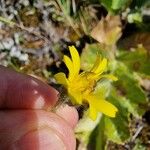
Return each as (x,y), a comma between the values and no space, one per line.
(25,123)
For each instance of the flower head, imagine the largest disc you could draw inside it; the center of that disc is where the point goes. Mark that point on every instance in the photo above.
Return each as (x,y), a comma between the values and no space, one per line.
(80,86)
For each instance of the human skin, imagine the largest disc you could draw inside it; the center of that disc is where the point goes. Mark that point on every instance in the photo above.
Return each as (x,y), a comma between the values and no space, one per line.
(26,119)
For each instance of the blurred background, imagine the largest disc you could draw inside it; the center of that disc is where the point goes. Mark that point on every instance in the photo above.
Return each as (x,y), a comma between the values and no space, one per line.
(34,36)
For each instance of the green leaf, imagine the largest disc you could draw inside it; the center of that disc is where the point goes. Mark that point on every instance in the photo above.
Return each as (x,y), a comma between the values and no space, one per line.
(113,5)
(137,60)
(118,4)
(128,87)
(107,4)
(128,97)
(116,129)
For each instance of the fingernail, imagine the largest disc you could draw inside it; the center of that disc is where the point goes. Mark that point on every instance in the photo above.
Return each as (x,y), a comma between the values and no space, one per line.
(43,139)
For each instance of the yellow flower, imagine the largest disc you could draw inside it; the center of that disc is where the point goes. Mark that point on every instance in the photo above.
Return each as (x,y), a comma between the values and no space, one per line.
(80,86)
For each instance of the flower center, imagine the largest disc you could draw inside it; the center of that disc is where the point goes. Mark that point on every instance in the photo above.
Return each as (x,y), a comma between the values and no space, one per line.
(83,84)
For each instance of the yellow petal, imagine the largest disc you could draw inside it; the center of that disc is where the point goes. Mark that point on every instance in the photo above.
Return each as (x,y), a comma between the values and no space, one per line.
(75,59)
(70,66)
(98,69)
(61,78)
(96,64)
(109,76)
(103,106)
(92,112)
(101,67)
(106,108)
(76,96)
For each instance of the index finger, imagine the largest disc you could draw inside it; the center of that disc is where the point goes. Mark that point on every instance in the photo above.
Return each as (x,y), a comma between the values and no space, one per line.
(19,91)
